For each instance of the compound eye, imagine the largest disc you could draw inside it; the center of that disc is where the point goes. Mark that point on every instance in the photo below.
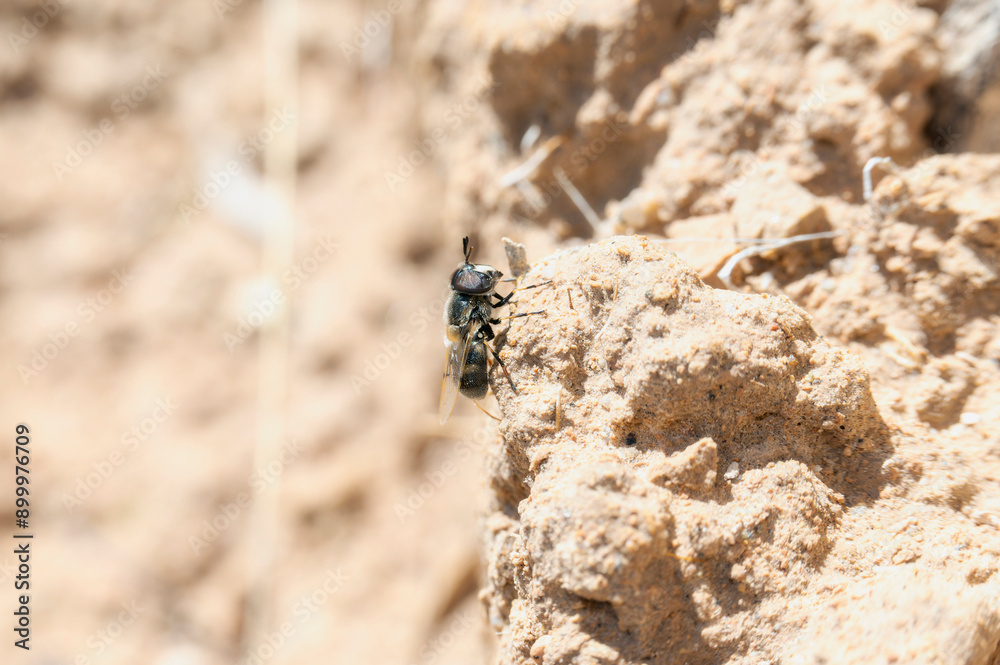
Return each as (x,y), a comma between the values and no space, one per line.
(471,281)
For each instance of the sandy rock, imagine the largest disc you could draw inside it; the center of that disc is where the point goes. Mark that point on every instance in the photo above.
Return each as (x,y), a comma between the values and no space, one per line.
(939,238)
(625,533)
(692,469)
(773,206)
(947,383)
(962,629)
(632,322)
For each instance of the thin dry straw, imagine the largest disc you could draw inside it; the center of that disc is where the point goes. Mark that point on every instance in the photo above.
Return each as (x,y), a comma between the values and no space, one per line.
(727,269)
(280,161)
(576,197)
(866,174)
(528,167)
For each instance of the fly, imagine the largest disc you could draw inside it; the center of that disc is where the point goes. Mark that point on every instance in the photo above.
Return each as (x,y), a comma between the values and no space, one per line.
(468,321)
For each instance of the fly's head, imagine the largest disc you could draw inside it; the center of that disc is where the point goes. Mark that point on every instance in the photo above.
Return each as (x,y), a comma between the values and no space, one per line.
(475,279)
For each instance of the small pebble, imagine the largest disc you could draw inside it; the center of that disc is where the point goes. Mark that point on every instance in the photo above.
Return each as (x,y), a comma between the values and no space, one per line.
(538,648)
(732,472)
(970,418)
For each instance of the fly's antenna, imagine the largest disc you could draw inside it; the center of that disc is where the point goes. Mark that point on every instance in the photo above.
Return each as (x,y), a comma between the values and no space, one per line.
(466,248)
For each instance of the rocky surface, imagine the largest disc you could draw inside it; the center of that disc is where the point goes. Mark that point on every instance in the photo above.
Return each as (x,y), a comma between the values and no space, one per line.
(673,483)
(691,475)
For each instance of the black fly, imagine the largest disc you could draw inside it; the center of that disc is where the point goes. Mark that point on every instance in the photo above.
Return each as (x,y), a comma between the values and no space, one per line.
(468,321)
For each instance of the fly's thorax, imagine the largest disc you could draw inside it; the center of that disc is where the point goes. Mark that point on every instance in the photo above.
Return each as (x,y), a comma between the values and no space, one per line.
(463,308)
(458,309)
(482,310)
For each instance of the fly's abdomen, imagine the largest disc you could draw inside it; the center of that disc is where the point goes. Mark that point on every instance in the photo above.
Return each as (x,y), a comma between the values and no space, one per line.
(474,375)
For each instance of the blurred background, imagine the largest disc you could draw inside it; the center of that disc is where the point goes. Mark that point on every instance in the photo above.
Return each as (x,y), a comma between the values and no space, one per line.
(226,229)
(189,483)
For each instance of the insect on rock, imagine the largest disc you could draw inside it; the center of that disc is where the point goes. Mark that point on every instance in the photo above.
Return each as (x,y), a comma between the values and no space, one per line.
(469,321)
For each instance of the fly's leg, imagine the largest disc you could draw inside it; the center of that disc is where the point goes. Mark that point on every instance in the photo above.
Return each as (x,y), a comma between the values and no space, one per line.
(480,407)
(503,367)
(503,300)
(516,316)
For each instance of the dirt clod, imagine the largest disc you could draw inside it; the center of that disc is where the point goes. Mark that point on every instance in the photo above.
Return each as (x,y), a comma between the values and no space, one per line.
(633,549)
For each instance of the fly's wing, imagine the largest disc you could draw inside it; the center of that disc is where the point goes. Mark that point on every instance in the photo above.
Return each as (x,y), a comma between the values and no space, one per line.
(458,351)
